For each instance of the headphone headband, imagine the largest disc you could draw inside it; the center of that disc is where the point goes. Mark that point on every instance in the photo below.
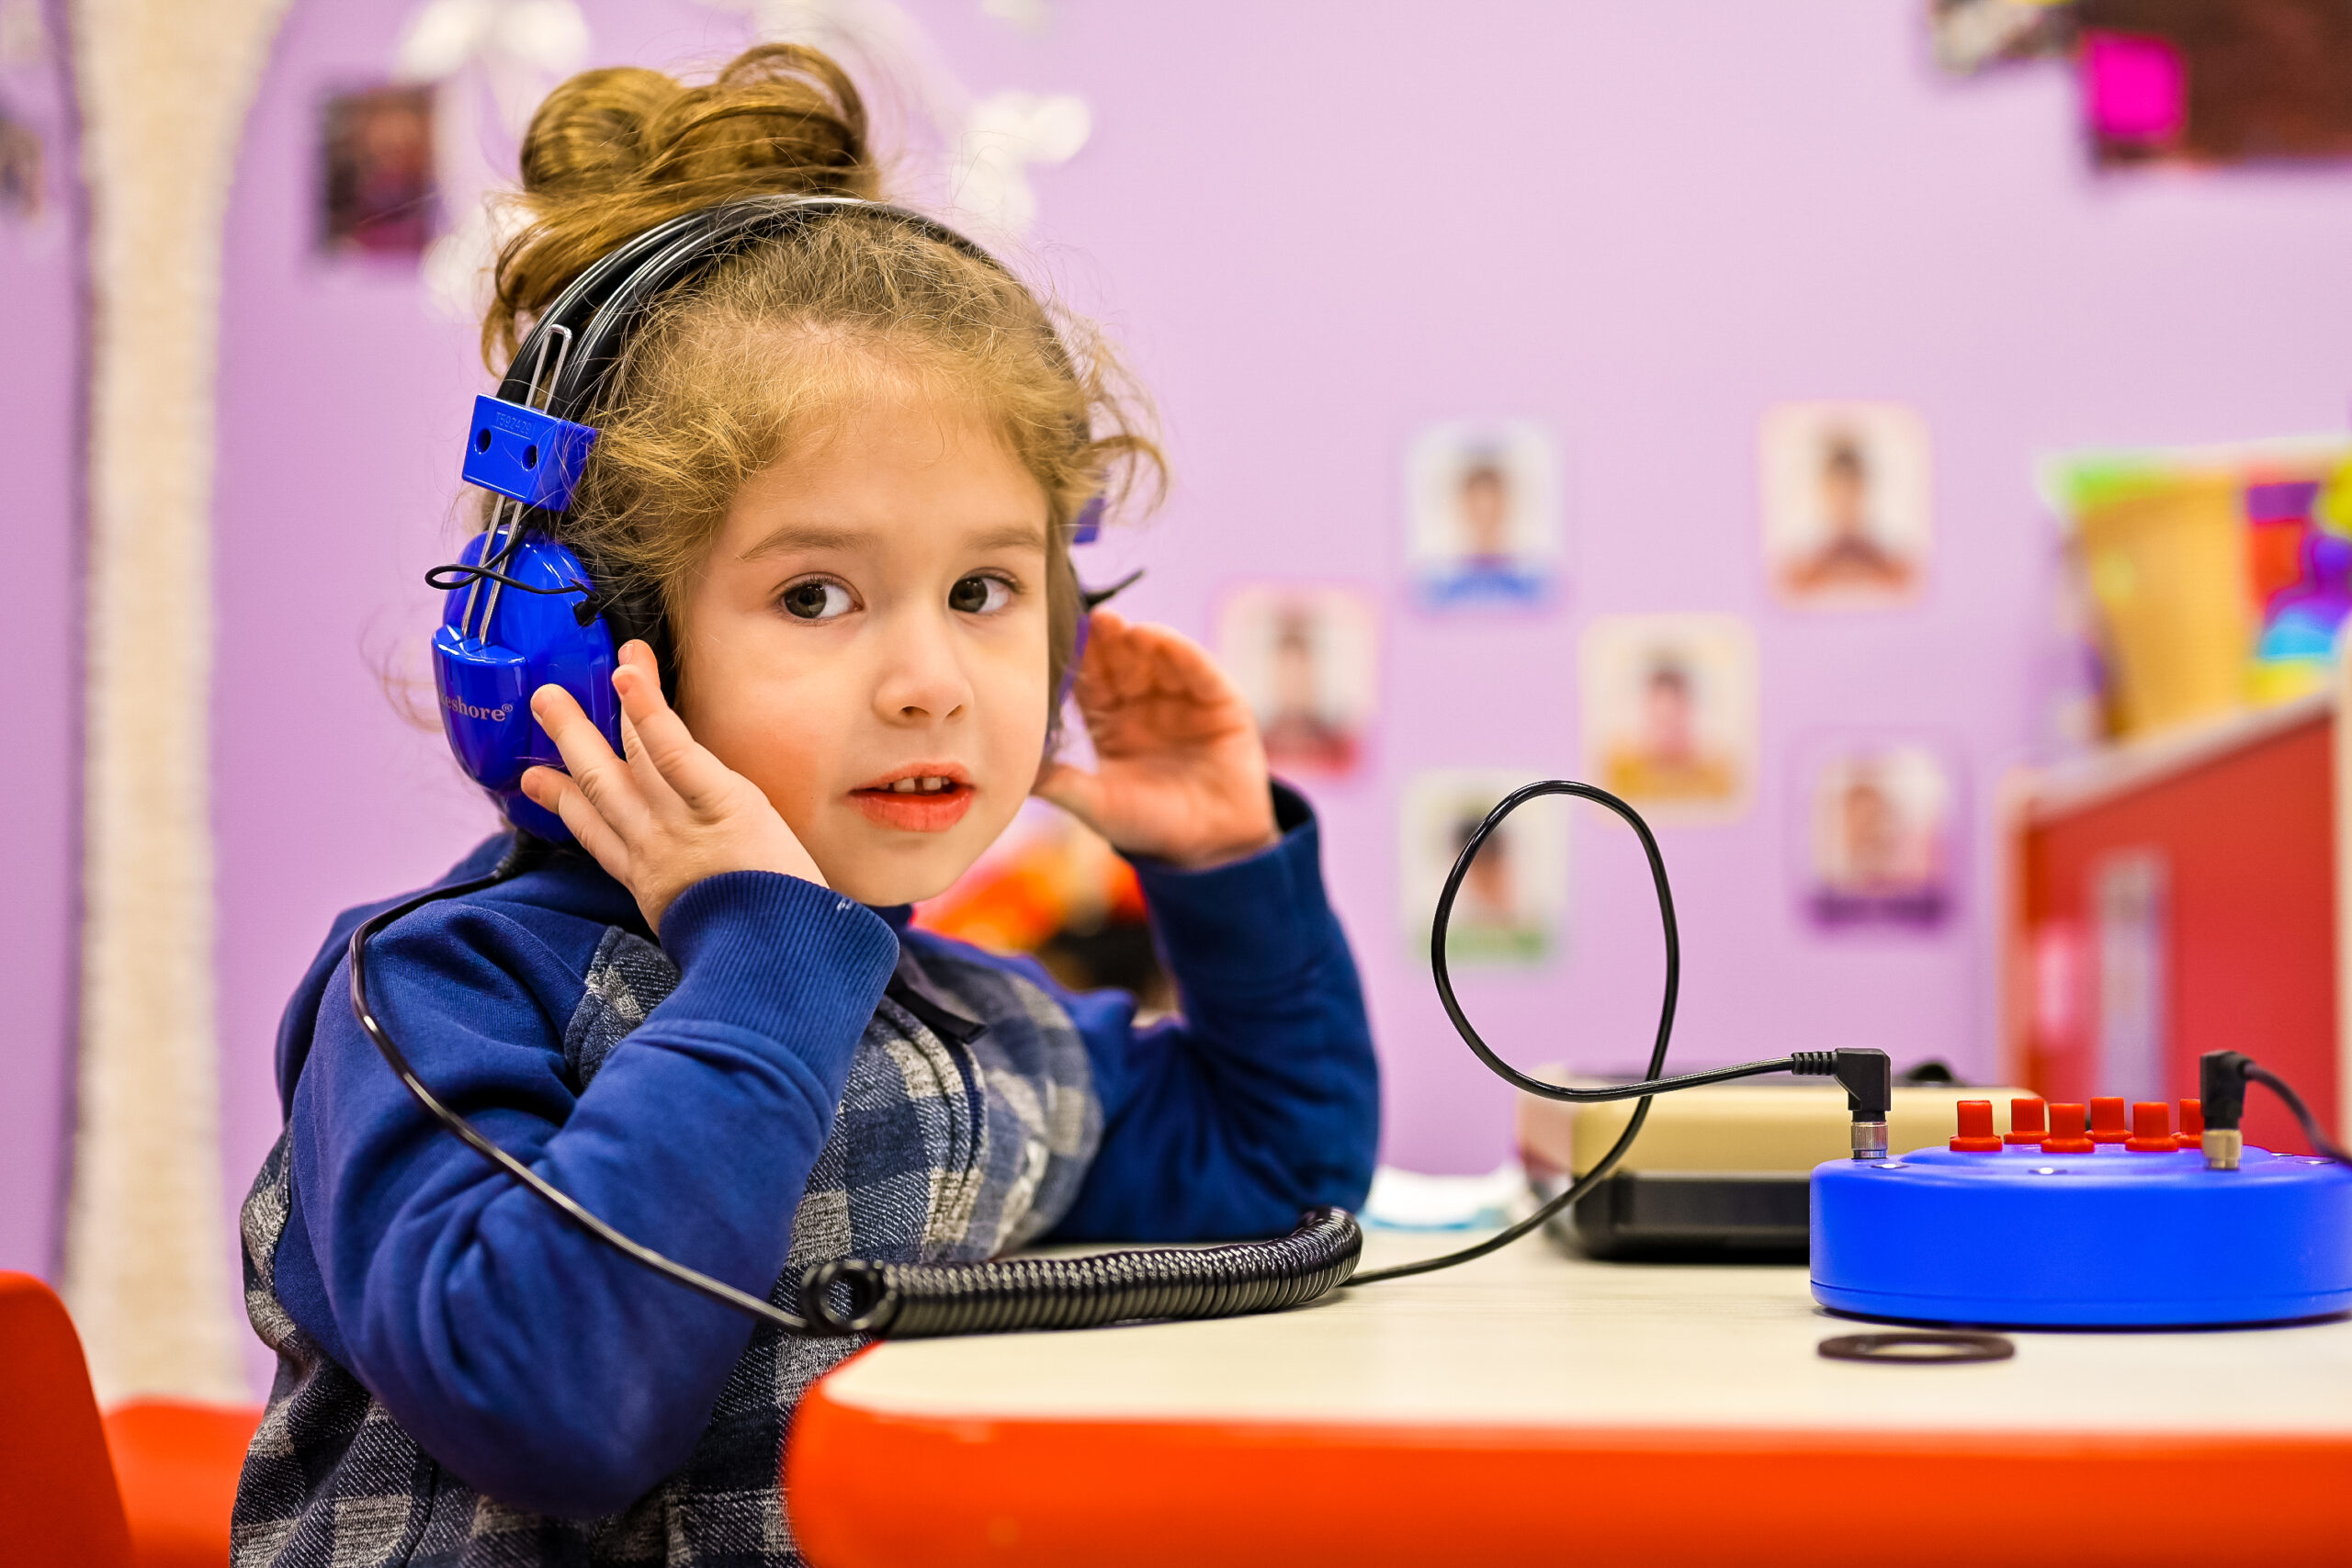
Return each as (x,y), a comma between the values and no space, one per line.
(601,307)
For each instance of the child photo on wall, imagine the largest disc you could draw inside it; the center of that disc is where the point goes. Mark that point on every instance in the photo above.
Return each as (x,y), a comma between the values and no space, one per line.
(1483,513)
(20,169)
(1880,834)
(1306,659)
(376,185)
(1513,904)
(1846,503)
(1669,712)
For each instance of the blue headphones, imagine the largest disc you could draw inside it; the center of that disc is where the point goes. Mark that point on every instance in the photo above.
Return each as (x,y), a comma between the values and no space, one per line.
(521,610)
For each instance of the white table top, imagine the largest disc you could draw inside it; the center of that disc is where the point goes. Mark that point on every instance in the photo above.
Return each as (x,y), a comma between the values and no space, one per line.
(1531,1337)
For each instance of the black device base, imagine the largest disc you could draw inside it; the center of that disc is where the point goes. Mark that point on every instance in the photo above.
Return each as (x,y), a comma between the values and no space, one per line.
(1689,1217)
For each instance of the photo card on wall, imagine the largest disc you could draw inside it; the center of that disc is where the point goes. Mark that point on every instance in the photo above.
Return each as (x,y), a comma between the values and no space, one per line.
(1878,842)
(1669,713)
(1307,656)
(1483,515)
(22,185)
(1847,503)
(378,195)
(1511,911)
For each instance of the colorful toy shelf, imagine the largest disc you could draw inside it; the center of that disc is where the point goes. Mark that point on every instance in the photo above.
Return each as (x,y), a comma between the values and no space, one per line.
(2182,894)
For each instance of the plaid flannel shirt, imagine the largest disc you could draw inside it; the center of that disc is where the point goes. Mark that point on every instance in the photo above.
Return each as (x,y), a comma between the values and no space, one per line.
(953,1142)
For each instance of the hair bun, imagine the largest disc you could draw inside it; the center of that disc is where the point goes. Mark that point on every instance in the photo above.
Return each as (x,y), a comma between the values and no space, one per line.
(614,151)
(590,136)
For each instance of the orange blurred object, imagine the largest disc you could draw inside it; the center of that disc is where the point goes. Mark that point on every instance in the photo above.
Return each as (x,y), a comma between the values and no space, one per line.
(177,1467)
(2109,1125)
(2028,1121)
(1053,879)
(149,1487)
(59,1507)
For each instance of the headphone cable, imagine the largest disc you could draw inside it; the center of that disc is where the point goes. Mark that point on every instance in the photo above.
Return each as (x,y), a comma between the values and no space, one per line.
(1652,1083)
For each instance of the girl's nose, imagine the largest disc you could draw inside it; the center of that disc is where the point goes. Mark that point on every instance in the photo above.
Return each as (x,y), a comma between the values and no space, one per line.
(922,679)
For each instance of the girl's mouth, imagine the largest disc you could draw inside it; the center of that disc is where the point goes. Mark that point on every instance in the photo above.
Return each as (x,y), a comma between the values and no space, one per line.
(917,802)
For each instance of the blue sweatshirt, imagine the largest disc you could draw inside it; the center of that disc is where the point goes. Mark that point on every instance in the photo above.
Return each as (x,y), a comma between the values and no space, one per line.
(550,1373)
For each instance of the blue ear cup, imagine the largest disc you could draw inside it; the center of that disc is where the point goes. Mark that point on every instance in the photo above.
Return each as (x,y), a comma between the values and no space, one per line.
(505,632)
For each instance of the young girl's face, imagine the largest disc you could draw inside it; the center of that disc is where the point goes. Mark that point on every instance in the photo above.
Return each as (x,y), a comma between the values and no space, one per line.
(867,644)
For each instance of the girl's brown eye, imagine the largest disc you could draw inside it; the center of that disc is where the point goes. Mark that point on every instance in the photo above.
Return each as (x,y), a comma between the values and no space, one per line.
(816,600)
(977,595)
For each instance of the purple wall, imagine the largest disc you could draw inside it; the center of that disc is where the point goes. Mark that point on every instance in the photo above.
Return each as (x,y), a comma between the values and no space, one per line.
(41,521)
(1316,231)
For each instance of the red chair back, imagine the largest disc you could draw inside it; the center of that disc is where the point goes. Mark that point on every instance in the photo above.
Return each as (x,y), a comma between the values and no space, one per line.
(179,1466)
(58,1506)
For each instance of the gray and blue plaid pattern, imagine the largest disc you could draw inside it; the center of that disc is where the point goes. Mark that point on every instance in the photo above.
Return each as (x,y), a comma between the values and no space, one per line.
(950,1145)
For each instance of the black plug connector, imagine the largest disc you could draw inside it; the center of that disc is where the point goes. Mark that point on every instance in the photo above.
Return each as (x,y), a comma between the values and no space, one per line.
(2220,1087)
(2222,1079)
(1867,1079)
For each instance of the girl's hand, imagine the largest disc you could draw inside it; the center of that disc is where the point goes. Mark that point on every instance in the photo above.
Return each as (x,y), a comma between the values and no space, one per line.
(1179,772)
(668,815)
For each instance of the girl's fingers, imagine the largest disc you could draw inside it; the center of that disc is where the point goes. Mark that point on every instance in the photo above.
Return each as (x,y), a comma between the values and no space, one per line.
(650,782)
(635,661)
(557,793)
(1141,661)
(1152,679)
(594,770)
(1124,671)
(1185,666)
(667,745)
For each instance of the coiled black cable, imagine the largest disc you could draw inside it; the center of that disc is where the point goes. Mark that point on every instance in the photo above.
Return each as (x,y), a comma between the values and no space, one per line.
(905,1300)
(916,1300)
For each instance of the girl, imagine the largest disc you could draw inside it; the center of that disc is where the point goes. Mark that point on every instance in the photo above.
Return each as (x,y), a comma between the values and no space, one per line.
(848,463)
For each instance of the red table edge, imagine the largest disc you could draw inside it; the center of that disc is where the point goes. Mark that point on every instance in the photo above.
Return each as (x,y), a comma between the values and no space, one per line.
(866,1489)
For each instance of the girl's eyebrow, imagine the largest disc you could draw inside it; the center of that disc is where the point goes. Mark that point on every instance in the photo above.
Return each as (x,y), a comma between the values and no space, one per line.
(793,537)
(1010,536)
(807,536)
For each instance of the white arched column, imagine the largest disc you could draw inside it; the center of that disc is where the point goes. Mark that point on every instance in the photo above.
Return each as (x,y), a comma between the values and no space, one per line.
(164,86)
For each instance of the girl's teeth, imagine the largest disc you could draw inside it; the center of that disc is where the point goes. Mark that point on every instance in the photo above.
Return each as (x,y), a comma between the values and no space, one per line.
(930,784)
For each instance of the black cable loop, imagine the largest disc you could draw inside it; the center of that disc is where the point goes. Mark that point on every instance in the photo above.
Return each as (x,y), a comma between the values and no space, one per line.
(452,575)
(1651,1085)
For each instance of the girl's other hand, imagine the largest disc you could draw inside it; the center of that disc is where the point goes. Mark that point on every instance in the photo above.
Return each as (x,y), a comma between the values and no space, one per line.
(666,815)
(1179,771)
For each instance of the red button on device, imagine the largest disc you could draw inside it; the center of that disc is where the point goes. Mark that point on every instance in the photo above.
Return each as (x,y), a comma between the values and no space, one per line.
(2192,1124)
(2108,1126)
(2026,1123)
(2066,1131)
(2151,1128)
(1976,1134)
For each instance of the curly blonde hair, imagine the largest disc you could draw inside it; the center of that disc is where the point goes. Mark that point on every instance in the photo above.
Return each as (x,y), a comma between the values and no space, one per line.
(776,340)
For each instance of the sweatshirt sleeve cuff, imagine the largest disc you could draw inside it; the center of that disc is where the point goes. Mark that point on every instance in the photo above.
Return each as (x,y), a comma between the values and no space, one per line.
(778,956)
(1262,922)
